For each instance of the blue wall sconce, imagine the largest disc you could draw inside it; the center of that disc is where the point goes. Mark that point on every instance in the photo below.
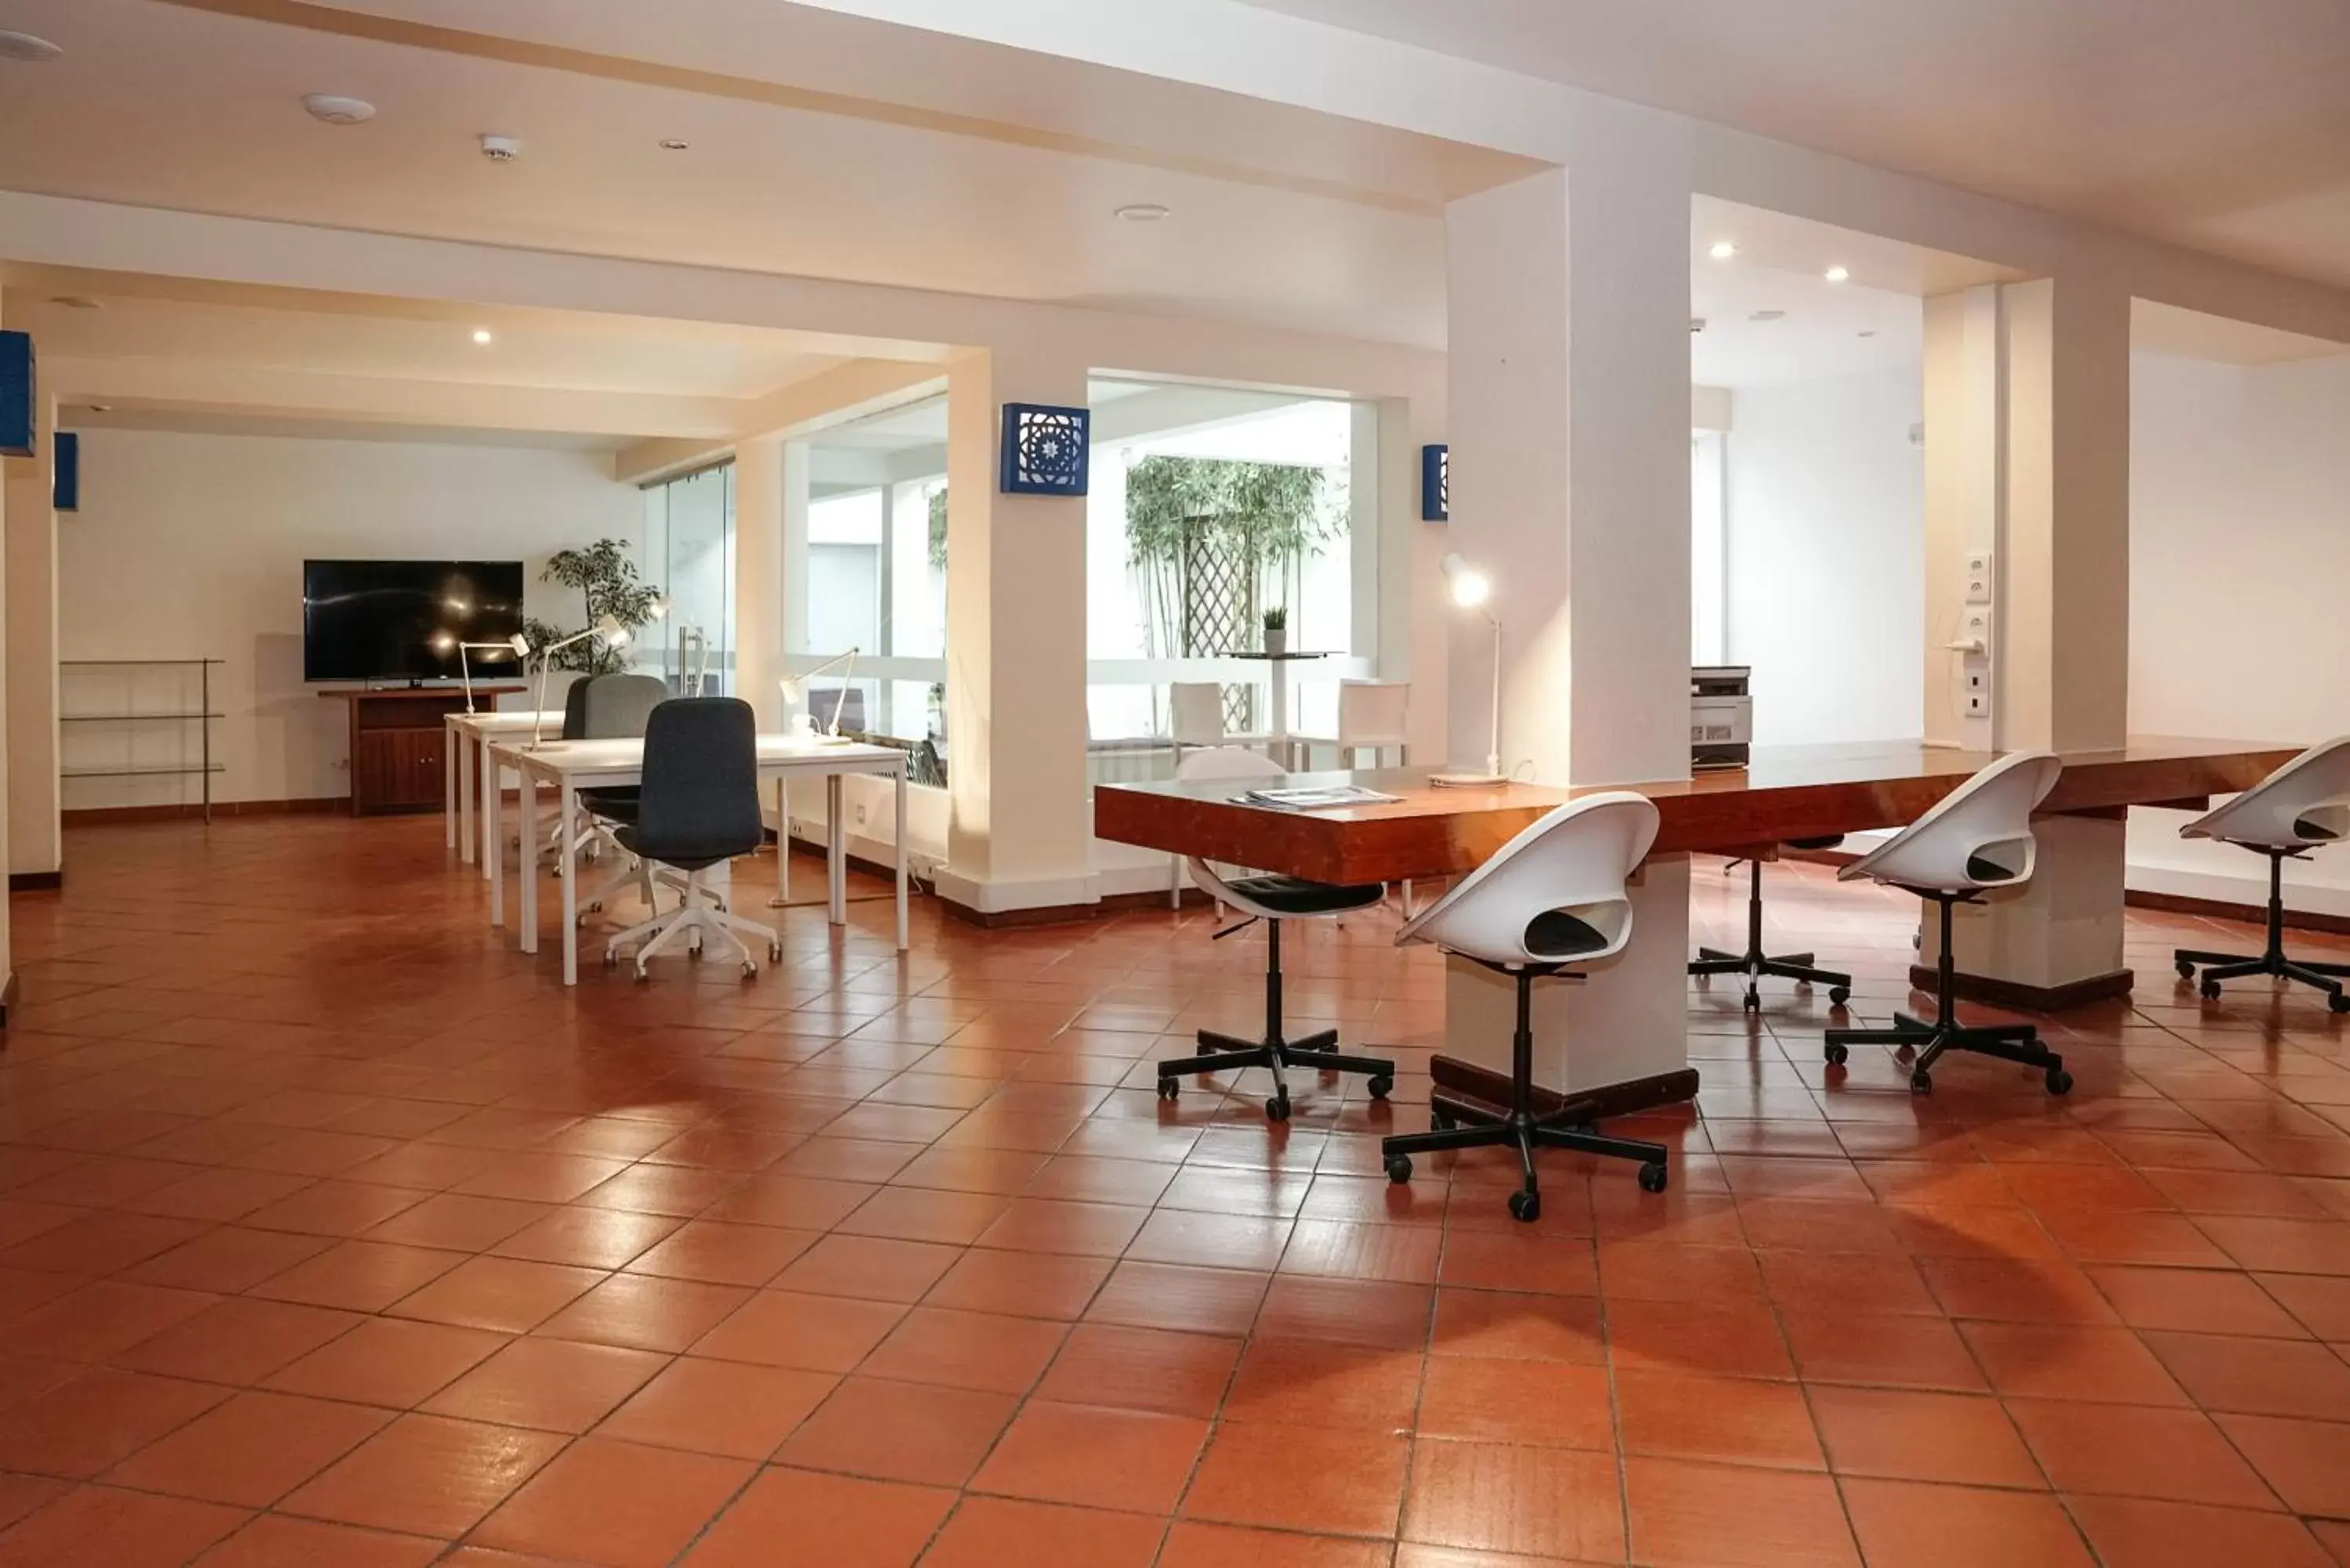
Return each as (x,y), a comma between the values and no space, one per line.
(1046,450)
(64,485)
(1436,483)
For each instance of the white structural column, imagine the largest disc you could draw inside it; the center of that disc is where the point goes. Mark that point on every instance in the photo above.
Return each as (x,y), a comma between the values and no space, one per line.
(1569,414)
(34,839)
(759,590)
(2027,436)
(1019,833)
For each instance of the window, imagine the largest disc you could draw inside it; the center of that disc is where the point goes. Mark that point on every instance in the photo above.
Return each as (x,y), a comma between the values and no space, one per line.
(689,552)
(1708,551)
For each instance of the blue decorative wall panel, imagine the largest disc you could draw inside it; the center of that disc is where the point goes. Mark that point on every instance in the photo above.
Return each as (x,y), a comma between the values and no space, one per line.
(17,394)
(1046,450)
(1436,483)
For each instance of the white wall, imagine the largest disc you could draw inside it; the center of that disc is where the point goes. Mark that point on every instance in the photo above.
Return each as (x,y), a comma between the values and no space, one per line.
(1826,555)
(2240,511)
(189,545)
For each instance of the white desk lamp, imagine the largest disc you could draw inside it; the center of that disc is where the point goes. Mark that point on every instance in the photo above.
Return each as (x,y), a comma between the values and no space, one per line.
(517,645)
(794,687)
(614,634)
(1472,589)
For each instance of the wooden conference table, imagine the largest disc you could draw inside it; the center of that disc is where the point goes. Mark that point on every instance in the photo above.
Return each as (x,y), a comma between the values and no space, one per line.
(1786,793)
(572,766)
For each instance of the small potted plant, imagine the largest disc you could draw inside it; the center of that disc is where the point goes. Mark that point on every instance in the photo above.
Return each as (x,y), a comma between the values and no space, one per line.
(1276,629)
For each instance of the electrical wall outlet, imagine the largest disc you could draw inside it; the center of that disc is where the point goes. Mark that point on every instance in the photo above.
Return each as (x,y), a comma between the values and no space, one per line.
(1978,680)
(1977,705)
(861,810)
(1979,579)
(1975,627)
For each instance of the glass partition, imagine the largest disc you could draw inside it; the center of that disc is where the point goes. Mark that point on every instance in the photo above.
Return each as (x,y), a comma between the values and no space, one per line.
(689,552)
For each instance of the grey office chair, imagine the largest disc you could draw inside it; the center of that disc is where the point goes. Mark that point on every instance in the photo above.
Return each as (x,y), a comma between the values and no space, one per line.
(698,807)
(612,708)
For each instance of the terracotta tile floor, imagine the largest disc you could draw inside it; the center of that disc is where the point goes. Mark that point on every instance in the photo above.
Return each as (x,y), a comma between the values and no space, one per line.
(334,1231)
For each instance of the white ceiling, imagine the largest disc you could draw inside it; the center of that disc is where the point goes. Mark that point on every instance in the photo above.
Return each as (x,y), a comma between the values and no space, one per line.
(143,317)
(2221,126)
(768,183)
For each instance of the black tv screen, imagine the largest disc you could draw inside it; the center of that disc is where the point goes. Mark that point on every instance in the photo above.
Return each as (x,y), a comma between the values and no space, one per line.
(401,620)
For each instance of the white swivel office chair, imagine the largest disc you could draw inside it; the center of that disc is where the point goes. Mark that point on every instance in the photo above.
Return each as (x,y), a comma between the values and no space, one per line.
(2301,806)
(1274,900)
(1977,839)
(1549,902)
(1373,715)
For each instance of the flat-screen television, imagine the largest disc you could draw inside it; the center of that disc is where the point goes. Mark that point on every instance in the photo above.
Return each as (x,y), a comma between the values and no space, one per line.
(401,620)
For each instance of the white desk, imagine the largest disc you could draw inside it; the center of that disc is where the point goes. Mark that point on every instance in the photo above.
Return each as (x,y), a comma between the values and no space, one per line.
(574,765)
(468,777)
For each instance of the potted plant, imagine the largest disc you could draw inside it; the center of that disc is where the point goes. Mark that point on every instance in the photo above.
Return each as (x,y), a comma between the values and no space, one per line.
(606,576)
(1276,629)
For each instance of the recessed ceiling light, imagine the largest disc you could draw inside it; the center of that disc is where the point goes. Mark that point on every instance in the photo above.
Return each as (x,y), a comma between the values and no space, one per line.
(673,144)
(1764,314)
(1722,250)
(1838,273)
(102,407)
(482,335)
(336,108)
(78,301)
(1143,212)
(27,49)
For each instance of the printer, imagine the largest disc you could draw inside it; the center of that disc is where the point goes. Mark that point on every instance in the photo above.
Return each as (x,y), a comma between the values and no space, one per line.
(1721,716)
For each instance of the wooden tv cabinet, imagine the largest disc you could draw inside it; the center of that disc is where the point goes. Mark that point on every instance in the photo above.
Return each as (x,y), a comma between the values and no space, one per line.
(397,737)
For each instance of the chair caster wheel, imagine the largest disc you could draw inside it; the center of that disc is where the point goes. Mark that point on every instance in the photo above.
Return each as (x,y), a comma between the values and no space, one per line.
(1922,1081)
(1525,1206)
(1169,1088)
(2339,1002)
(1837,1053)
(1398,1168)
(774,952)
(1838,996)
(2186,970)
(1753,1001)
(2059,1082)
(2210,990)
(644,976)
(1277,1109)
(1380,1087)
(1652,1177)
(611,960)
(750,969)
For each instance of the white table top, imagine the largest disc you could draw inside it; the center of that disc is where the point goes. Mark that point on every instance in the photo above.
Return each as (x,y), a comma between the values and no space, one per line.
(497,721)
(556,758)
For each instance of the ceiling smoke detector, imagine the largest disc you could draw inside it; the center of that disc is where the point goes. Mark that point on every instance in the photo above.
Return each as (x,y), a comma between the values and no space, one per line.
(336,109)
(500,149)
(27,49)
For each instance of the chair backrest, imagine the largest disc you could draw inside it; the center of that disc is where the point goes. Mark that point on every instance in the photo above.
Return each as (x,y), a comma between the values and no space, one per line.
(1978,835)
(1373,712)
(1196,712)
(2307,801)
(1575,861)
(619,705)
(575,709)
(700,797)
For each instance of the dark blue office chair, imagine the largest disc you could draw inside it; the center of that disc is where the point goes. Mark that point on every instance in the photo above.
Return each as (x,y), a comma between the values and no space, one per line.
(698,807)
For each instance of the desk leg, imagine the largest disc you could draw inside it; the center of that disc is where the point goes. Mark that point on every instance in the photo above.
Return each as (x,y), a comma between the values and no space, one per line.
(570,857)
(486,777)
(493,844)
(836,852)
(783,845)
(902,860)
(467,798)
(528,812)
(448,787)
